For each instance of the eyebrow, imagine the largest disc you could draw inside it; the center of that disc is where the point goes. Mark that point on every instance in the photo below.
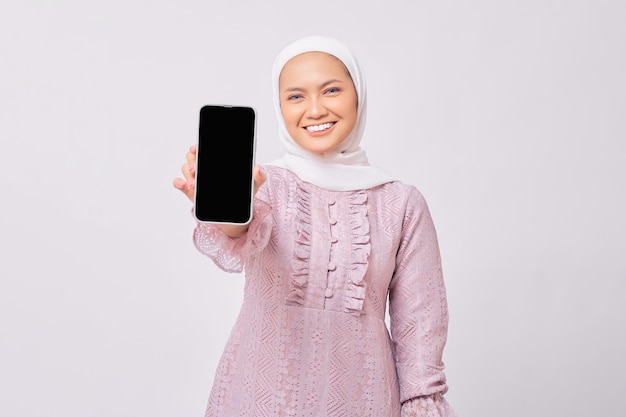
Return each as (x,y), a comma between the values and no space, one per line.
(324,84)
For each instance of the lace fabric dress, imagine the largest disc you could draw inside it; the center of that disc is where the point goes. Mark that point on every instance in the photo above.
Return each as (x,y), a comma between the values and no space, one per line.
(311,338)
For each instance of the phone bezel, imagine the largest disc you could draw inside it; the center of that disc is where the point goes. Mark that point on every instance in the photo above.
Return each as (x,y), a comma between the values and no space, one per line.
(252,161)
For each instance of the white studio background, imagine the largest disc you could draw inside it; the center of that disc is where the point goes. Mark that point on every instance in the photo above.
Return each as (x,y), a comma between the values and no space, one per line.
(509,116)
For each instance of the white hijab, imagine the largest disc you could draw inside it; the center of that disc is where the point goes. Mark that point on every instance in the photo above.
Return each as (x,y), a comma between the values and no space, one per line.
(346,168)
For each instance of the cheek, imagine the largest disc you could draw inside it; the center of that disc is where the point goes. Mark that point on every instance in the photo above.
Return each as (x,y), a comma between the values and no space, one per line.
(351,110)
(347,108)
(355,105)
(291,120)
(288,115)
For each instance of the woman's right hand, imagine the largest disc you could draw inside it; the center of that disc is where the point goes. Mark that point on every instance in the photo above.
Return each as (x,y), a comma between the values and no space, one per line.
(188,169)
(188,184)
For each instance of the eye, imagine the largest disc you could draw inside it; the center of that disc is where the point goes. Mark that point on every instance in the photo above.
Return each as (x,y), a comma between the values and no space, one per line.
(332,90)
(292,97)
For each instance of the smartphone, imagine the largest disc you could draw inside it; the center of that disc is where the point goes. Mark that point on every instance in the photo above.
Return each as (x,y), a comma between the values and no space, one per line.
(224,161)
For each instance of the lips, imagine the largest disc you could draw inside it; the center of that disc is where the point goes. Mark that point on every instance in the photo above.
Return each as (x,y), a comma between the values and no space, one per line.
(319,128)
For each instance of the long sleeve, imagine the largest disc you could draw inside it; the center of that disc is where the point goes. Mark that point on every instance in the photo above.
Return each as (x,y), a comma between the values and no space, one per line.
(419,315)
(229,253)
(434,405)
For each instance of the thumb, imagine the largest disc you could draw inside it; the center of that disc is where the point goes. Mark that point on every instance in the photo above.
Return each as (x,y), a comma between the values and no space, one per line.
(259,177)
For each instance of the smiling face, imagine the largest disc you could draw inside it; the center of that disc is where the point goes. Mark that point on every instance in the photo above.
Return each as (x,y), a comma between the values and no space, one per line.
(318,101)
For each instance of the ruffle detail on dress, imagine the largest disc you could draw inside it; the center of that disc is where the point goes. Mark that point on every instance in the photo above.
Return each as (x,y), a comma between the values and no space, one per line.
(360,253)
(302,246)
(434,405)
(230,254)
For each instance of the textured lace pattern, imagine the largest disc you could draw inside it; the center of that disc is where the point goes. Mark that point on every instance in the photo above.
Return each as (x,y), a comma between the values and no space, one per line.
(230,253)
(429,406)
(310,339)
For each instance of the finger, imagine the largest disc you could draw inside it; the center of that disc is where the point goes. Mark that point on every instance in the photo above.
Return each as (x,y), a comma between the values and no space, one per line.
(188,173)
(191,156)
(189,189)
(185,187)
(191,165)
(179,183)
(259,177)
(190,177)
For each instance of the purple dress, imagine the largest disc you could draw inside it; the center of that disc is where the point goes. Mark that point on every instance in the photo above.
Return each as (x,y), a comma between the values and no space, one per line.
(311,338)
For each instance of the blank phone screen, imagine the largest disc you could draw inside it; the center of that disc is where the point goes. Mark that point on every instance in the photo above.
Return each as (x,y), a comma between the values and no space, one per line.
(225,159)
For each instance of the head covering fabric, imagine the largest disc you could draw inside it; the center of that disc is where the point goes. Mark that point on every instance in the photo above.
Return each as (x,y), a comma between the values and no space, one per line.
(346,168)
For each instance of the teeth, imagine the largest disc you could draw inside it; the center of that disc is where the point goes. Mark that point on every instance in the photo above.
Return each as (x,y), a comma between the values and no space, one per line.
(317,128)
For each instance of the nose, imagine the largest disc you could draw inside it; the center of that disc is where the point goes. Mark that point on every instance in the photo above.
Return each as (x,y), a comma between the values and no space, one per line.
(316,108)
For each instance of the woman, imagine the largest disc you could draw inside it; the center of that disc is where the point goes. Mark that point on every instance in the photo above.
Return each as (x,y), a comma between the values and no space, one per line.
(332,239)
